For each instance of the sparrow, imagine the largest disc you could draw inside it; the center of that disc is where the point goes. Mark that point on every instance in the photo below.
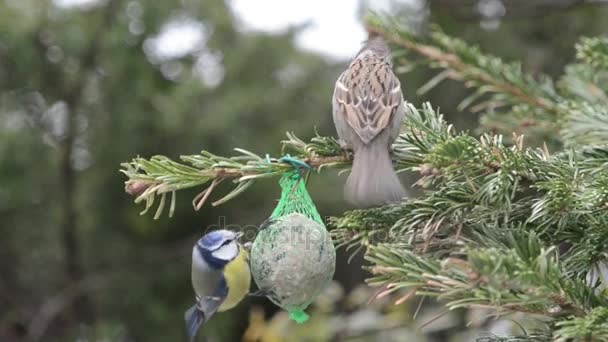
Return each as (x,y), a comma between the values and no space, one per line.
(368,111)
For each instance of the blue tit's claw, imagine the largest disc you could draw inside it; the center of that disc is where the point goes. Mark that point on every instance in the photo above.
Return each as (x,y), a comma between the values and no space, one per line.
(267,223)
(261,293)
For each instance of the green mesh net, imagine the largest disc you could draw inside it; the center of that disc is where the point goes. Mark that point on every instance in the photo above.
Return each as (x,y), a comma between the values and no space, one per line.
(293,257)
(295,198)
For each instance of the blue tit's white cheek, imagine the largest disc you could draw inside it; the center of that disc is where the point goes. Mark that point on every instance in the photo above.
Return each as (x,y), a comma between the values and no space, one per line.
(226,252)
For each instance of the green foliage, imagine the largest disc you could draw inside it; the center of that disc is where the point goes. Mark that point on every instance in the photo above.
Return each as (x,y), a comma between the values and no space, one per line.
(500,225)
(593,51)
(586,124)
(499,86)
(592,327)
(512,278)
(159,175)
(512,100)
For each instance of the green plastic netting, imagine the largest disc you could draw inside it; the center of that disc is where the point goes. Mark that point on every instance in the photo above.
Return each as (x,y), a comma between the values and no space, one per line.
(293,257)
(295,198)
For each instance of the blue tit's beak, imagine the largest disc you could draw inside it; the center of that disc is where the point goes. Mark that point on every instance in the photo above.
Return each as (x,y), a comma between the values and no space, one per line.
(238,236)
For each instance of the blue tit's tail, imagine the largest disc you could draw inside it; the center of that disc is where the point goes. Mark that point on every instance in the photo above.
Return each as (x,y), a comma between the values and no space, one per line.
(194,318)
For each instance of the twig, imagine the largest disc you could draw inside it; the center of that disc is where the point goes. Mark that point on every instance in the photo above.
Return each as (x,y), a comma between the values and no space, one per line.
(200,199)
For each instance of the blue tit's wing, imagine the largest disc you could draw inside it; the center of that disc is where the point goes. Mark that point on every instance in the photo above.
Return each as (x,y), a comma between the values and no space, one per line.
(205,307)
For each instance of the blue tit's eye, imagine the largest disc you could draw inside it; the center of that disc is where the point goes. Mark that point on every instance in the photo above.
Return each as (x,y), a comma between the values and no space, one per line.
(226,243)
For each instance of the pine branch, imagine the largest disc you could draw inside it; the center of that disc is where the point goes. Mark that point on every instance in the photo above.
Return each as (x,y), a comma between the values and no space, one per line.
(507,83)
(536,337)
(512,100)
(520,276)
(583,82)
(159,175)
(483,235)
(478,238)
(484,187)
(592,327)
(489,277)
(586,124)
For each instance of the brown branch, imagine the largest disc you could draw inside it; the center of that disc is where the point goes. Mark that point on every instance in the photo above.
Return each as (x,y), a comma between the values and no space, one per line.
(201,198)
(67,175)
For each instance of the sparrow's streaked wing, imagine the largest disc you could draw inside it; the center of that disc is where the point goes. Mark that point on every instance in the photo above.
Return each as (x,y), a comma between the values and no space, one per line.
(368,94)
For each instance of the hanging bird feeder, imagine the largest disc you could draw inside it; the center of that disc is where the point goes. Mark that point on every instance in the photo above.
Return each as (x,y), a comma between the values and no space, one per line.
(293,257)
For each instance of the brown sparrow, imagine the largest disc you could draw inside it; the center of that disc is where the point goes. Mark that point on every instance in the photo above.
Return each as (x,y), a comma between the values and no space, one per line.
(368,111)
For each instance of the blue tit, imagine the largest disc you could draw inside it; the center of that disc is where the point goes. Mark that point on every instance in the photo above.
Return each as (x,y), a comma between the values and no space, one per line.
(220,277)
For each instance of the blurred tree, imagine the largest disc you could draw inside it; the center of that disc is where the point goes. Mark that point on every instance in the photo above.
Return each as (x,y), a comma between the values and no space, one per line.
(87,85)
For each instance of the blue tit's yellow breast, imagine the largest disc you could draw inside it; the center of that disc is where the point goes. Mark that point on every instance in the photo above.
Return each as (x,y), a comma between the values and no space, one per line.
(238,279)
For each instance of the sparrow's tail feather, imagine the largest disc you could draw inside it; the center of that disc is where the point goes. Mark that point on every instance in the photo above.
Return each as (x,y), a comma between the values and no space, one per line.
(194,318)
(372,180)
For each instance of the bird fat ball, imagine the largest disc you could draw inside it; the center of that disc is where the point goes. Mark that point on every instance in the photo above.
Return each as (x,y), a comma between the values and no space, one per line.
(292,260)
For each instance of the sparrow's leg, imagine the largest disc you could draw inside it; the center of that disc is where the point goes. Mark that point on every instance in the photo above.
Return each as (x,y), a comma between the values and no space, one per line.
(346,148)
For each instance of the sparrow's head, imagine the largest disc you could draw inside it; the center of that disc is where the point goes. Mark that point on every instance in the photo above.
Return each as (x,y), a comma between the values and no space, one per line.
(377,46)
(219,247)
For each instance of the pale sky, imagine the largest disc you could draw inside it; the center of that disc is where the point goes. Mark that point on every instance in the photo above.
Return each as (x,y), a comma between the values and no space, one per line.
(335,30)
(334,27)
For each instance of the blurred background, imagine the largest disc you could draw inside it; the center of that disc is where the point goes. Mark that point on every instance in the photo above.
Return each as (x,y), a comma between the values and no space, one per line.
(88,84)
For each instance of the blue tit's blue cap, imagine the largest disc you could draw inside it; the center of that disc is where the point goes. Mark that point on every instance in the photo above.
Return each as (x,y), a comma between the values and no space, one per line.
(215,239)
